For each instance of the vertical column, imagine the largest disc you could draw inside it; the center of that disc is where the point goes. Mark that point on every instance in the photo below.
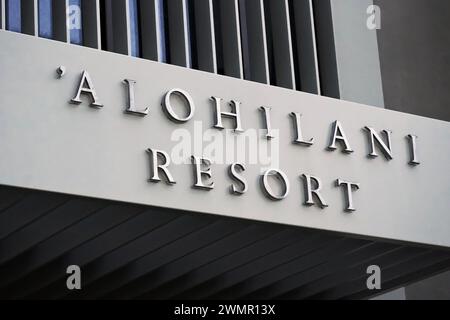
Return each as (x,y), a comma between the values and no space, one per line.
(205,35)
(2,15)
(90,10)
(281,38)
(304,43)
(256,41)
(45,19)
(357,55)
(178,33)
(326,50)
(29,13)
(118,26)
(150,29)
(230,37)
(60,30)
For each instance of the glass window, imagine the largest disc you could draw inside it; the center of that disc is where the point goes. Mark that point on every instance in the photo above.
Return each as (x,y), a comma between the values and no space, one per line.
(244,39)
(45,19)
(218,37)
(163,44)
(13,15)
(270,43)
(75,22)
(134,28)
(192,36)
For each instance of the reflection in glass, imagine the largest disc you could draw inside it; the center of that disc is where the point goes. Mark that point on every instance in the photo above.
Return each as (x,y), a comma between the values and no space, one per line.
(75,22)
(13,15)
(134,28)
(162,45)
(191,35)
(45,18)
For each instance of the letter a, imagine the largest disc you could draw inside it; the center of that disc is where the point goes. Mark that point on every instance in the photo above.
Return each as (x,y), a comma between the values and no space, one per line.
(374,281)
(74,280)
(86,87)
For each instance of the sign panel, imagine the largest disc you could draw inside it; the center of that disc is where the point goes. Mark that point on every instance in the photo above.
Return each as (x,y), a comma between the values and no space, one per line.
(91,123)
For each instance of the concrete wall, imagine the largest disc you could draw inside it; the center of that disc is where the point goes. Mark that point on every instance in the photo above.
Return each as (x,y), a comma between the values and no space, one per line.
(357,58)
(414,44)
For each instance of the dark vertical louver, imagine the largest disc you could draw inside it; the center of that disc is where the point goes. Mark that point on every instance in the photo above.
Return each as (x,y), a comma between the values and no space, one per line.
(326,50)
(286,43)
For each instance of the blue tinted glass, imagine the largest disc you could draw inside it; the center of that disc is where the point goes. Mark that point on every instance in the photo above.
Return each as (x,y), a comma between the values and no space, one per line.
(75,22)
(13,15)
(162,36)
(134,28)
(45,18)
(190,33)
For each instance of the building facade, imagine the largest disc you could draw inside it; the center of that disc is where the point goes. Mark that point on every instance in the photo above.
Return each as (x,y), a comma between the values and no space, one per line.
(223,149)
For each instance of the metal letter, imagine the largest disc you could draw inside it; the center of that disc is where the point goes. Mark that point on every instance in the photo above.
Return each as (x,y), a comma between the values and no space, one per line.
(239,178)
(89,89)
(386,149)
(348,192)
(155,155)
(339,135)
(266,115)
(131,109)
(298,131)
(234,114)
(167,106)
(413,150)
(199,173)
(281,176)
(309,201)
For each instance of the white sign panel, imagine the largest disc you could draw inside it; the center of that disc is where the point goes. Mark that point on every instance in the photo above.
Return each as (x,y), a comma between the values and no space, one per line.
(91,123)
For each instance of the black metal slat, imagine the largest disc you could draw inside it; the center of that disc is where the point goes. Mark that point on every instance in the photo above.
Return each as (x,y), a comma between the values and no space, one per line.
(326,51)
(28,210)
(334,272)
(304,46)
(210,259)
(401,281)
(59,20)
(228,38)
(311,259)
(226,282)
(52,280)
(212,250)
(10,196)
(171,286)
(96,273)
(29,17)
(63,242)
(390,270)
(90,10)
(254,36)
(269,284)
(204,35)
(119,282)
(45,226)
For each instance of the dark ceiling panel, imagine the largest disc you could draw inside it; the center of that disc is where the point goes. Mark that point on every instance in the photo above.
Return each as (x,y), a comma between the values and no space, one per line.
(50,284)
(170,283)
(130,251)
